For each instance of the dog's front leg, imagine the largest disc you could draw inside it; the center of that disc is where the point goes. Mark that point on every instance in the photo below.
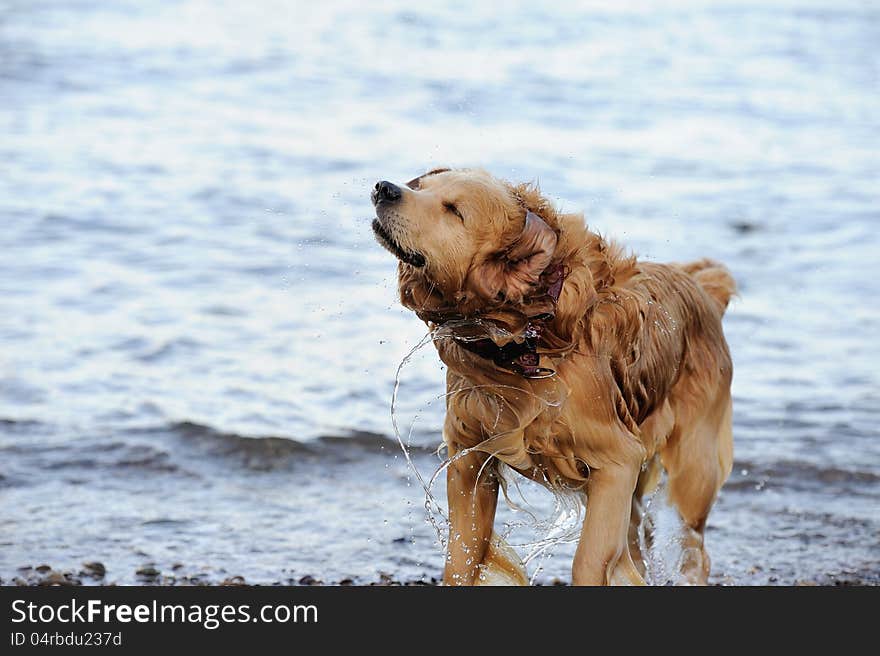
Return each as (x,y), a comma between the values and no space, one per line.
(602,556)
(472,491)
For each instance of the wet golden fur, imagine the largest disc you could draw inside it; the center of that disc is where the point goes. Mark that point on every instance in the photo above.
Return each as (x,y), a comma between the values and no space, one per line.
(642,378)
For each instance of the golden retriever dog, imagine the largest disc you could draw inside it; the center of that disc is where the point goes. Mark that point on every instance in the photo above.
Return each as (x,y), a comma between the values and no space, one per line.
(569,361)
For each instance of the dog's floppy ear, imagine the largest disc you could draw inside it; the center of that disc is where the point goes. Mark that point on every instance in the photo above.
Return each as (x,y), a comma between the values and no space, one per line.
(415,183)
(511,274)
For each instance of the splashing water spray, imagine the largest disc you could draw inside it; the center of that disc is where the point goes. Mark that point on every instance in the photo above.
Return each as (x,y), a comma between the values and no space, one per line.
(561,527)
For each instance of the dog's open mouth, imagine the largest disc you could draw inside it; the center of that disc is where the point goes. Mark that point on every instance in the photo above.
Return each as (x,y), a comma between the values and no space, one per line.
(415,259)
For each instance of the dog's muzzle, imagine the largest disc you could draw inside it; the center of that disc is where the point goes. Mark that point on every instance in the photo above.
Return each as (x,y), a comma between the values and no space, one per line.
(385,238)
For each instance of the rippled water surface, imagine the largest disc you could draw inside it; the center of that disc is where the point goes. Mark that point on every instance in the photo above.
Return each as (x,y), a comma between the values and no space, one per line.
(200,335)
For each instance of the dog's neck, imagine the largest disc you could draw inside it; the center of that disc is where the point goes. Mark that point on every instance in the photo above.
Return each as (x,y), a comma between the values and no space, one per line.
(516,352)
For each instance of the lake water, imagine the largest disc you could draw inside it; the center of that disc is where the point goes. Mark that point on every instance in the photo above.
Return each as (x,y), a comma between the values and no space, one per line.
(199,335)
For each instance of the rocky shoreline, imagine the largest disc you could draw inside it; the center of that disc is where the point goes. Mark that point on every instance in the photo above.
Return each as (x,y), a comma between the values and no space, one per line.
(94,573)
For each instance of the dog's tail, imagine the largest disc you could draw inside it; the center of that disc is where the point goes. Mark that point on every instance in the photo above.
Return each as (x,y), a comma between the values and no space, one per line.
(715,280)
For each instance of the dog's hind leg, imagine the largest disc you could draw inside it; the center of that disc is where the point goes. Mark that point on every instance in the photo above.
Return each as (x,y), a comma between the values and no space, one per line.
(698,459)
(641,531)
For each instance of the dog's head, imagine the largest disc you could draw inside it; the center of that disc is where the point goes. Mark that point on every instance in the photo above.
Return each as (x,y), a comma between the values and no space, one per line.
(465,239)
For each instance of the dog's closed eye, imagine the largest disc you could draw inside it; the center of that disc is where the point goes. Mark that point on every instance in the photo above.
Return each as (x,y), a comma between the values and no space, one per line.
(450,207)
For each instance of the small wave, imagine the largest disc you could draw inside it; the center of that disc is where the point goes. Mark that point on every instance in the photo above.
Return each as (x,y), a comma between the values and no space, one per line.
(19,425)
(165,522)
(86,457)
(273,452)
(172,348)
(114,455)
(797,474)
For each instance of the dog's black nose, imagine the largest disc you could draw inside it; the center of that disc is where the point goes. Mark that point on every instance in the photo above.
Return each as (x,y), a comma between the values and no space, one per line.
(386,191)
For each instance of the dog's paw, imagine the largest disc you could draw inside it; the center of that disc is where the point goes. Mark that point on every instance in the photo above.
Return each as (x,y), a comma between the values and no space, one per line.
(501,565)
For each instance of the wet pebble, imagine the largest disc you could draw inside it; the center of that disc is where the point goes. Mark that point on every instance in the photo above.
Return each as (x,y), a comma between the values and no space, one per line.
(94,570)
(234,581)
(59,578)
(148,572)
